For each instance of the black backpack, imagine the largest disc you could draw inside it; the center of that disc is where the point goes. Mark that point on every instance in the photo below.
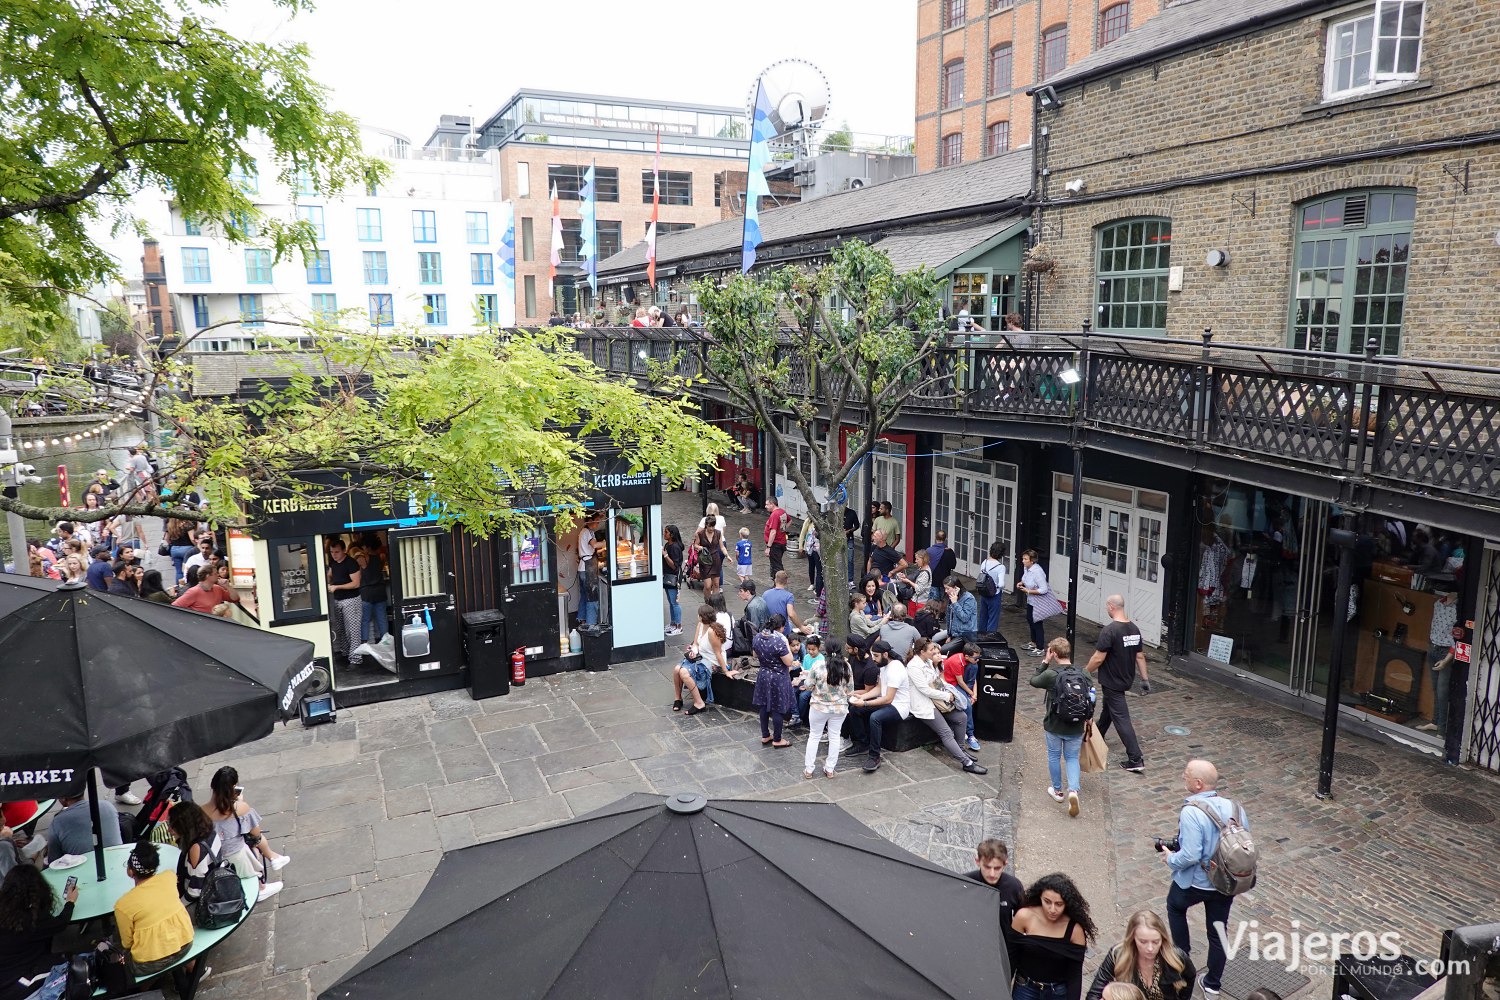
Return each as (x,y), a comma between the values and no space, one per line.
(222,900)
(1072,695)
(986,585)
(741,638)
(82,978)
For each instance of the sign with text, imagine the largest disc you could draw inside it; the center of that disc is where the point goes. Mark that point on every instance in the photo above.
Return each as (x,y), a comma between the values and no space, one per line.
(622,488)
(1220,648)
(323,503)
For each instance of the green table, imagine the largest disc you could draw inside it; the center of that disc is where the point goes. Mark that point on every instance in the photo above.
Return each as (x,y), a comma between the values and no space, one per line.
(95,898)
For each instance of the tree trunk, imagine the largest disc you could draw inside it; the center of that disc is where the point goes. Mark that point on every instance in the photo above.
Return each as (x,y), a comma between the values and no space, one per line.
(835,572)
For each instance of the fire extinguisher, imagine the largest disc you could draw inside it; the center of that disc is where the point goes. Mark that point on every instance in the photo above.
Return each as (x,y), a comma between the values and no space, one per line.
(518,666)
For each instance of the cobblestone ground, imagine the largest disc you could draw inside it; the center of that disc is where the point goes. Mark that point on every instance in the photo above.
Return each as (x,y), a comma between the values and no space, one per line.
(366,806)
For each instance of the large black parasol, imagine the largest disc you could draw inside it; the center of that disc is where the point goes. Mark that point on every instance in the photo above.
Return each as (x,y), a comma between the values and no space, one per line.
(678,897)
(128,686)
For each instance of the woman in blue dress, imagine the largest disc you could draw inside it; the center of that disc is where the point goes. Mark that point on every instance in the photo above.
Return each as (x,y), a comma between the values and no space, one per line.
(773,684)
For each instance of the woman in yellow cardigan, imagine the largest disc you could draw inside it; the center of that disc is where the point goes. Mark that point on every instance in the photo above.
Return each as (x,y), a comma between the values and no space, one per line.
(154,926)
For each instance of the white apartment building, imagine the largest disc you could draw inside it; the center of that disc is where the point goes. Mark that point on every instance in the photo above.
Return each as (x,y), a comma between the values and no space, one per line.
(420,250)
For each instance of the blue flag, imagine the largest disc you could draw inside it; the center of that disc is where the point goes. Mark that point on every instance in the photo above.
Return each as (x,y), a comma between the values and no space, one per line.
(508,253)
(588,235)
(761,134)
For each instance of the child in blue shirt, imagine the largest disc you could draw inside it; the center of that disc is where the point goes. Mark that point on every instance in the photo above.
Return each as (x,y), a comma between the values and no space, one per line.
(742,554)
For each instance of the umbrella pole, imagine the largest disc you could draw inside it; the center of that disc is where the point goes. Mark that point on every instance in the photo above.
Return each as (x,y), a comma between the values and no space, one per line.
(98,832)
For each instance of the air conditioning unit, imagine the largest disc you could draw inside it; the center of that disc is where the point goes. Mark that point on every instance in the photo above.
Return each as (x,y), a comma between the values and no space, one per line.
(854,183)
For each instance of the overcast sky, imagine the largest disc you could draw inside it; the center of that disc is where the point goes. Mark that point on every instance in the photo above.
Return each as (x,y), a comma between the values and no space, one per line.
(401,64)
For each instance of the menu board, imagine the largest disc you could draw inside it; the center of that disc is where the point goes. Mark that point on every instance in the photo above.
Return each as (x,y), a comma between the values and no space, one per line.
(294,578)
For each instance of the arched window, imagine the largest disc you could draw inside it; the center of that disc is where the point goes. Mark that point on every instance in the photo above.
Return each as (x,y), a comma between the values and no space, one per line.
(997,138)
(1000,69)
(1349,277)
(1113,22)
(953,83)
(1133,258)
(953,149)
(1054,50)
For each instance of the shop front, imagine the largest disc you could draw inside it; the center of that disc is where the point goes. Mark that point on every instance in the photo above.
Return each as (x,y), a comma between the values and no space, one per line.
(1265,605)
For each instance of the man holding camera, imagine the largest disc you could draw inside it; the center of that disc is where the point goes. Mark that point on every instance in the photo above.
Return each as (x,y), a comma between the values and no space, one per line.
(1188,857)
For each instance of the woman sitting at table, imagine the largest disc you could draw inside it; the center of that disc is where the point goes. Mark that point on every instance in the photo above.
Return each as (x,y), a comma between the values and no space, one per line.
(154,926)
(199,843)
(238,824)
(26,929)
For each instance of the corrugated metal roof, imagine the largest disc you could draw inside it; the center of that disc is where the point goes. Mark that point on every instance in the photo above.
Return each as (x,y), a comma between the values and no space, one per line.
(936,245)
(991,181)
(1179,26)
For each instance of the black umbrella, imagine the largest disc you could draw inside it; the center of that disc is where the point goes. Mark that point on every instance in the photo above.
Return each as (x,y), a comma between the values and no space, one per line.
(128,686)
(653,897)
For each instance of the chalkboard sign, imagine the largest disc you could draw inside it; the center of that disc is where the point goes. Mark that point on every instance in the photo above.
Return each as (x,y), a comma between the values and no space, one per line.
(294,584)
(1220,648)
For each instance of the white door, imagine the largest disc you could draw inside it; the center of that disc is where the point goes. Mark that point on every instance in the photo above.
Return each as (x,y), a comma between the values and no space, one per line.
(1143,598)
(1090,597)
(1062,520)
(889,474)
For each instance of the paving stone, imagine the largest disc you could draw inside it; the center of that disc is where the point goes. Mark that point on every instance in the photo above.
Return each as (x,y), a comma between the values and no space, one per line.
(407,802)
(388,734)
(407,835)
(408,864)
(364,767)
(393,895)
(325,974)
(615,770)
(315,756)
(523,780)
(519,743)
(447,705)
(579,757)
(301,892)
(591,797)
(455,831)
(331,855)
(637,747)
(453,733)
(498,821)
(342,817)
(410,766)
(274,794)
(465,763)
(469,795)
(318,931)
(733,786)
(321,796)
(248,946)
(565,734)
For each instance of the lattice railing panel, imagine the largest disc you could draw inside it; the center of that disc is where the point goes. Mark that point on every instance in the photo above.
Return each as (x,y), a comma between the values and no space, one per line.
(1284,415)
(1020,383)
(1484,721)
(1439,439)
(1154,397)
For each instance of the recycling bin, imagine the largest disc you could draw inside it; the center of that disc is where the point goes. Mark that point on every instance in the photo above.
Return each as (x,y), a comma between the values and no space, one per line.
(485,650)
(999,675)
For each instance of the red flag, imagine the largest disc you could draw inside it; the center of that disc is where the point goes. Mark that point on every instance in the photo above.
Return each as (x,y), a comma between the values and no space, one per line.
(655,201)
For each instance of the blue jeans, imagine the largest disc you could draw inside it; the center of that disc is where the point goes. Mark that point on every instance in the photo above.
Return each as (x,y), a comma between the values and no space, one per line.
(1439,687)
(989,613)
(849,551)
(1063,750)
(804,707)
(878,720)
(371,621)
(1038,636)
(1215,910)
(815,570)
(180,554)
(971,678)
(588,611)
(1026,989)
(673,606)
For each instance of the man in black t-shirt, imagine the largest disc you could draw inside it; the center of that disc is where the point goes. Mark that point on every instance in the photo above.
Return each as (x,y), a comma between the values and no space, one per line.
(344,606)
(884,559)
(992,857)
(1118,656)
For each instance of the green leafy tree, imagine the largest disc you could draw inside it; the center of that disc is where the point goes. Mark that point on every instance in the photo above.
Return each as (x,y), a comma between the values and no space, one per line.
(839,138)
(39,329)
(116,331)
(103,100)
(853,366)
(456,422)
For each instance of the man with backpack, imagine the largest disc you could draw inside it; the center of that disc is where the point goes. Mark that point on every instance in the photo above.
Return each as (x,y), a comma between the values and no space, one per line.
(1070,706)
(1212,860)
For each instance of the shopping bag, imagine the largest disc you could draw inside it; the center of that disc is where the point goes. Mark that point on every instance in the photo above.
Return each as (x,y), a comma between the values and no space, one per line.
(1044,606)
(1093,756)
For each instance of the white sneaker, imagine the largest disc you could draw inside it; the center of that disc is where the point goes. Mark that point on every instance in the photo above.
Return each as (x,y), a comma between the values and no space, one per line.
(1072,803)
(1056,795)
(674,630)
(127,799)
(268,890)
(280,862)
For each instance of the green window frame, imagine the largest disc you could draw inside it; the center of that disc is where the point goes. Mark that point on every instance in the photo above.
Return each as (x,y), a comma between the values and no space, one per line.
(1132,261)
(1349,272)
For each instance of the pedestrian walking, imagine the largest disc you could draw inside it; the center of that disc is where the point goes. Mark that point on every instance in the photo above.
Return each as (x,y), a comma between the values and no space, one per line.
(712,551)
(1048,939)
(671,568)
(814,549)
(1118,657)
(1064,722)
(1147,960)
(1197,839)
(777,521)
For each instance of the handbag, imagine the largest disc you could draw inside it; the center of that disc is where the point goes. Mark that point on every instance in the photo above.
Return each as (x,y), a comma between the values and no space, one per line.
(1044,606)
(1093,756)
(165,548)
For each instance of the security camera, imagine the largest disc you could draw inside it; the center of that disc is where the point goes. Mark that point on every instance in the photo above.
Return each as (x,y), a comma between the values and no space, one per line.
(1075,186)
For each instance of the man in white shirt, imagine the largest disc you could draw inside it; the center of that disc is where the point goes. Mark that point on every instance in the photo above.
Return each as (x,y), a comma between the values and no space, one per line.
(891,706)
(586,542)
(203,556)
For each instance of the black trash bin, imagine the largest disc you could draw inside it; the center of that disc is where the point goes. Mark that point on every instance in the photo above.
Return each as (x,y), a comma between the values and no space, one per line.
(598,643)
(489,662)
(999,673)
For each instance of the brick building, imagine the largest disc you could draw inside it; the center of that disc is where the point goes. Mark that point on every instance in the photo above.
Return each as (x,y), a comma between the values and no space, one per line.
(548,137)
(1343,190)
(976,59)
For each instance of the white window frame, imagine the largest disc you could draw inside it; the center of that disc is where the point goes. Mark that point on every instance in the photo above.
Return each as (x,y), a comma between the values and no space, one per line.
(1378,80)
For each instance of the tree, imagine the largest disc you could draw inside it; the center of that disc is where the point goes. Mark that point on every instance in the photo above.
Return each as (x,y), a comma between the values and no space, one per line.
(839,138)
(833,368)
(454,424)
(40,329)
(103,100)
(117,332)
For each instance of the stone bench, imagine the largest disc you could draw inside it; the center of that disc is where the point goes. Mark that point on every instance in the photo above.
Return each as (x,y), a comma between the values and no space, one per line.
(908,734)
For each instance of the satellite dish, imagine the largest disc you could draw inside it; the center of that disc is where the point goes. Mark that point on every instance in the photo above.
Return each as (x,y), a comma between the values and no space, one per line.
(797,92)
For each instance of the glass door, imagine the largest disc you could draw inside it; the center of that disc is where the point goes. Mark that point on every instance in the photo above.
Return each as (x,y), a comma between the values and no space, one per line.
(1311,592)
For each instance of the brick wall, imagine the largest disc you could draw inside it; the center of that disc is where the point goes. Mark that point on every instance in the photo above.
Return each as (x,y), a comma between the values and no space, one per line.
(1255,103)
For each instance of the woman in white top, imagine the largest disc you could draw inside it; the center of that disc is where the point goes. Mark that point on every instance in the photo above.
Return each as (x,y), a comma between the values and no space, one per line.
(711,513)
(1033,584)
(708,653)
(921,583)
(934,705)
(989,605)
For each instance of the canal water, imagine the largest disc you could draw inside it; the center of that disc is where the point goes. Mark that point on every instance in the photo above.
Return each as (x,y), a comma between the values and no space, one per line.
(82,460)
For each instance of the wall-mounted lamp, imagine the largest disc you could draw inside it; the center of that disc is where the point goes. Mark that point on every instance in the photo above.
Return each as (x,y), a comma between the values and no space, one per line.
(1075,186)
(1217,258)
(1048,99)
(1069,376)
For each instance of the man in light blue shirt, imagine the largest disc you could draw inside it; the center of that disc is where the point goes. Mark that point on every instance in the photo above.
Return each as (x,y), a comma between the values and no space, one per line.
(72,832)
(1197,839)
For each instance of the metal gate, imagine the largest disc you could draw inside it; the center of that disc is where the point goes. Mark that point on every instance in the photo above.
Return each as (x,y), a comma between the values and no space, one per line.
(1484,724)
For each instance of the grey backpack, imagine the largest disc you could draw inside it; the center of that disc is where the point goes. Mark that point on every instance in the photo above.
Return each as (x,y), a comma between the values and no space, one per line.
(1231,868)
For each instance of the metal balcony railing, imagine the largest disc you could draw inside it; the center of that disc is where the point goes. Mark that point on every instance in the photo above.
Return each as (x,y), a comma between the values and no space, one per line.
(1411,425)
